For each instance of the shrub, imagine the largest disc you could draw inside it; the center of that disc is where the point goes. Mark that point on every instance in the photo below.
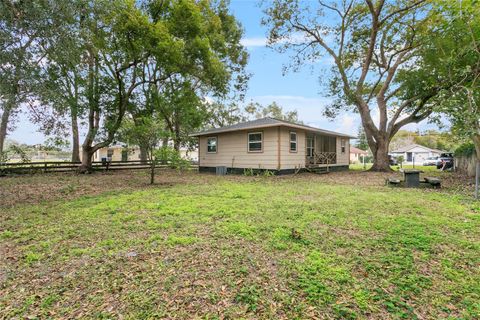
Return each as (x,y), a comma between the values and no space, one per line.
(171,157)
(466,150)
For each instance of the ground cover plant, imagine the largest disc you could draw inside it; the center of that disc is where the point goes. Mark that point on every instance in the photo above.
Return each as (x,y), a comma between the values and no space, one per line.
(340,245)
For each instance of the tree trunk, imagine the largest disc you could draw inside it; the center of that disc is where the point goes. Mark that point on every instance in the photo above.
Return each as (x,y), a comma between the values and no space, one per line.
(152,172)
(75,138)
(3,128)
(381,160)
(165,142)
(176,144)
(87,154)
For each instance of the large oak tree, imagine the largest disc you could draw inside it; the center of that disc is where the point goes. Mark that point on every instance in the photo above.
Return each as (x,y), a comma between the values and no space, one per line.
(374,46)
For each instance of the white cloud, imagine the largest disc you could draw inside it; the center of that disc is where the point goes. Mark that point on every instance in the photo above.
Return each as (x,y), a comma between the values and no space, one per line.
(254,42)
(348,124)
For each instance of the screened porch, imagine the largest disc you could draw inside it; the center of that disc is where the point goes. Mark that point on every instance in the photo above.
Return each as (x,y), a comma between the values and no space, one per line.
(320,150)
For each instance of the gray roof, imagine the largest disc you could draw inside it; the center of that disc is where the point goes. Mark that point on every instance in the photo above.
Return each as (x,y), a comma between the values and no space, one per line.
(265,123)
(411,146)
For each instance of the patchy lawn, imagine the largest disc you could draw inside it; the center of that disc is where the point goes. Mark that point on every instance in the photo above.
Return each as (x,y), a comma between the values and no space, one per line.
(340,245)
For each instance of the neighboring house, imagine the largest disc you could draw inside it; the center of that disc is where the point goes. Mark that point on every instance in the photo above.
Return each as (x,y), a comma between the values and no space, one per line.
(416,154)
(117,153)
(121,153)
(356,155)
(272,144)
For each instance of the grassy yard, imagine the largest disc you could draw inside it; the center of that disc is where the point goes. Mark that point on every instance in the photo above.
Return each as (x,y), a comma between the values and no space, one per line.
(427,169)
(340,245)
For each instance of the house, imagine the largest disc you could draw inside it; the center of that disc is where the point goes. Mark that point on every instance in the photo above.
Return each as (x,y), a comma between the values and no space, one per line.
(117,153)
(122,153)
(272,144)
(416,154)
(357,155)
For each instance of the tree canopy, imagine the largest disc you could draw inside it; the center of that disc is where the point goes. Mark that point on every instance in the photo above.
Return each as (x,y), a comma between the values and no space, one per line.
(378,67)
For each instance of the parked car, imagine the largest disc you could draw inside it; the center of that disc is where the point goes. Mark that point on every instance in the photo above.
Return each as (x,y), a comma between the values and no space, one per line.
(392,160)
(445,161)
(431,161)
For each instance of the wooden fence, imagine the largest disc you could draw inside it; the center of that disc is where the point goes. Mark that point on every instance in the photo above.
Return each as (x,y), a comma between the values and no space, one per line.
(466,164)
(65,166)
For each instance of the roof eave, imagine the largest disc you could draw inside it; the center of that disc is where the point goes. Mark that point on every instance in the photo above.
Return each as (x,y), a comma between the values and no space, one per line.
(326,132)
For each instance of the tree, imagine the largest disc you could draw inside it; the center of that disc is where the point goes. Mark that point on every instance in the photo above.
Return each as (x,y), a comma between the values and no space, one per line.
(212,67)
(273,110)
(221,114)
(62,86)
(147,132)
(181,110)
(457,49)
(23,25)
(362,142)
(375,49)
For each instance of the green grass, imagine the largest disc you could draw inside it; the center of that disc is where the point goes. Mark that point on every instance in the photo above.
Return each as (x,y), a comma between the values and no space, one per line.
(253,248)
(361,167)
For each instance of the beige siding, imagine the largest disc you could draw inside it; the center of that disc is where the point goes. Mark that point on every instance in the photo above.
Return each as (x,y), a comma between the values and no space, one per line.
(343,158)
(291,160)
(232,150)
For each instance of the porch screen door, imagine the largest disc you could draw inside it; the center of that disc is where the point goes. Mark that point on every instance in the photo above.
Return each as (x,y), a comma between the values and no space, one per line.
(310,146)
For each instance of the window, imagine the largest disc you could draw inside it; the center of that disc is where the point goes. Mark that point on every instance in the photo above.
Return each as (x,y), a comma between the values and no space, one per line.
(255,141)
(310,141)
(212,145)
(342,145)
(110,154)
(293,141)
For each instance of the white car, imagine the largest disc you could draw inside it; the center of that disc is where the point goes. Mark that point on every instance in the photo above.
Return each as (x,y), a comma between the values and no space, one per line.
(430,161)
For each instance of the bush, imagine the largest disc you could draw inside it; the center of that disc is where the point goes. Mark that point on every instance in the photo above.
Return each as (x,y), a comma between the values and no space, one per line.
(466,150)
(171,157)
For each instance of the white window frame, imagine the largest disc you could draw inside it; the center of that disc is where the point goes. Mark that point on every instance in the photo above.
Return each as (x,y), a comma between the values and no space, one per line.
(293,141)
(343,145)
(216,144)
(255,141)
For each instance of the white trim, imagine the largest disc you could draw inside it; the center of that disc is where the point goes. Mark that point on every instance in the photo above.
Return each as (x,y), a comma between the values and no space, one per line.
(293,141)
(216,144)
(255,141)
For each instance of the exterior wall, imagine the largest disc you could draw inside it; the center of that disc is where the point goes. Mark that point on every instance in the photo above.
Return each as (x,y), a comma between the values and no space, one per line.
(420,155)
(354,157)
(133,154)
(292,160)
(190,155)
(343,158)
(232,150)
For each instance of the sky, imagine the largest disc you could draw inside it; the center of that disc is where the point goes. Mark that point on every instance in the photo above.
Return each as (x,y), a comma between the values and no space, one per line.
(300,91)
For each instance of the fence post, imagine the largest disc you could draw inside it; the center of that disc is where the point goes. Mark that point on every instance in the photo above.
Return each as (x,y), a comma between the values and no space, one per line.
(44,168)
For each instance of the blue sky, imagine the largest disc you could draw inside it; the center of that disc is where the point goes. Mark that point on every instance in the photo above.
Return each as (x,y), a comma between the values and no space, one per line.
(299,91)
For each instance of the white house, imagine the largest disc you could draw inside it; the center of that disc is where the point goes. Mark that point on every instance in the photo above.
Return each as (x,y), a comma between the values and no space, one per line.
(416,154)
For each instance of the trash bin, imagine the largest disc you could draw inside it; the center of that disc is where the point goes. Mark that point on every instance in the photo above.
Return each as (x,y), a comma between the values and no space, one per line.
(221,170)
